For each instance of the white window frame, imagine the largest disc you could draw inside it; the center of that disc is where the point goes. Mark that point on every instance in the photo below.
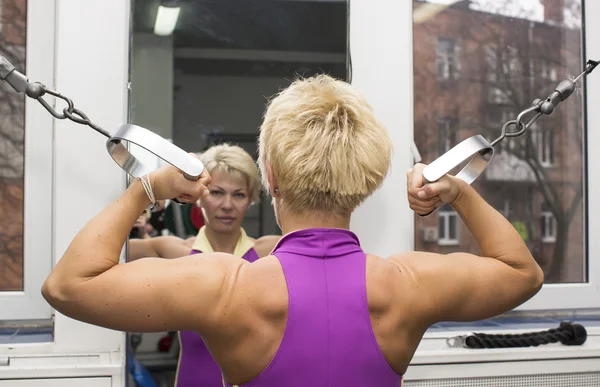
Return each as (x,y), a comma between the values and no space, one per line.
(446,125)
(446,217)
(545,152)
(448,60)
(548,71)
(549,224)
(38,157)
(393,81)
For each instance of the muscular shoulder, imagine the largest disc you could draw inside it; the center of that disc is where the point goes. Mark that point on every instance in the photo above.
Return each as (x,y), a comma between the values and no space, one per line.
(261,286)
(265,245)
(380,279)
(391,286)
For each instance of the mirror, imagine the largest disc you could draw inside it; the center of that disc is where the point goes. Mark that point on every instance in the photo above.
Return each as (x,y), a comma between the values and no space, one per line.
(201,73)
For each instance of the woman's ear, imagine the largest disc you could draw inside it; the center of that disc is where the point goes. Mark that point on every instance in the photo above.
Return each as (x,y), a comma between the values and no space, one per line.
(273,187)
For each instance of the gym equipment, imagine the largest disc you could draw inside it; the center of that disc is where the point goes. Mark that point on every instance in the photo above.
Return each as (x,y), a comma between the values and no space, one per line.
(191,167)
(567,334)
(477,152)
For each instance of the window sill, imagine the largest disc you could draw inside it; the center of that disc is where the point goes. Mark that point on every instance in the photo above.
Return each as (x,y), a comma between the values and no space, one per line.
(60,366)
(448,242)
(434,350)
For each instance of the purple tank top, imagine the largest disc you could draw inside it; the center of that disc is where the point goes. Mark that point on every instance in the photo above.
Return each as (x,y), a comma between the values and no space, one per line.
(328,339)
(196,366)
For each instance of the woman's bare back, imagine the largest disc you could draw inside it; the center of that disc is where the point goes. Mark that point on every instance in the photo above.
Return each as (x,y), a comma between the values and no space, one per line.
(257,317)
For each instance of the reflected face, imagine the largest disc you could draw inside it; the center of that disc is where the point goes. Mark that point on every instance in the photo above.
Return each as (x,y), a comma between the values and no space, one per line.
(226,205)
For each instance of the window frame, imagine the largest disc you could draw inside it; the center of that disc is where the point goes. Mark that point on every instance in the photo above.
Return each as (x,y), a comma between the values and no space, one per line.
(564,296)
(38,194)
(78,70)
(544,146)
(447,134)
(447,216)
(449,60)
(549,223)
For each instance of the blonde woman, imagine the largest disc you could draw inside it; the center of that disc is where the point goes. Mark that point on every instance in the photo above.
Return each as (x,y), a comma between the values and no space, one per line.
(318,311)
(235,186)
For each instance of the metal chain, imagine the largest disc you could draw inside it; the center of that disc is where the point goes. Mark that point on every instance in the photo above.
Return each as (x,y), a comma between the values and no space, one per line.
(37,91)
(543,106)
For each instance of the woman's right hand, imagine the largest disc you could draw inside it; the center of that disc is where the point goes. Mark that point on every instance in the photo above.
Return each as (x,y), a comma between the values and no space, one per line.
(168,182)
(424,197)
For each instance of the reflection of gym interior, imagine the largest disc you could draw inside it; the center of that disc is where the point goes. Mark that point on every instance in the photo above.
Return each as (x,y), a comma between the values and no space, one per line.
(445,77)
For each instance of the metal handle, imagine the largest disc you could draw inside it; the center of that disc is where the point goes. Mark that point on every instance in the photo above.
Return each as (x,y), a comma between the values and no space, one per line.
(476,150)
(191,167)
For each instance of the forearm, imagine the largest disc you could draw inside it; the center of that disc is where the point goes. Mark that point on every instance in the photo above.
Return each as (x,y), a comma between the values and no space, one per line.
(495,236)
(97,247)
(141,248)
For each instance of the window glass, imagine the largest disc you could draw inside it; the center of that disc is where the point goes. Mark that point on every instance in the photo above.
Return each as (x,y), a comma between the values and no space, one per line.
(477,64)
(12,146)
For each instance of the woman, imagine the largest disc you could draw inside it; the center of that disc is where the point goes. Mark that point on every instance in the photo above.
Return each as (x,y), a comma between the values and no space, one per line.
(297,317)
(234,187)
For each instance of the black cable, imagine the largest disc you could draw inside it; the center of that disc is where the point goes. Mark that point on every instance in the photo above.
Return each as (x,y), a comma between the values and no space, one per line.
(567,334)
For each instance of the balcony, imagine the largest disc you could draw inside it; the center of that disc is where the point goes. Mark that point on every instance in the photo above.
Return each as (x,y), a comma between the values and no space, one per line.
(506,166)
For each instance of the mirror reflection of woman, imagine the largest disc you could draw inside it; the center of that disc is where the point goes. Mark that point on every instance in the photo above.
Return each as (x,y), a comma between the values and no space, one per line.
(234,187)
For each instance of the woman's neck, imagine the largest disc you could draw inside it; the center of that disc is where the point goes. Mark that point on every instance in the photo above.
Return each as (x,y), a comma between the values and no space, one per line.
(223,242)
(290,222)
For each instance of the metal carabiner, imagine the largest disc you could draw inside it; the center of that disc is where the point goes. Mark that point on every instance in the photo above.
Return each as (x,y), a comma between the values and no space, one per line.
(457,341)
(518,123)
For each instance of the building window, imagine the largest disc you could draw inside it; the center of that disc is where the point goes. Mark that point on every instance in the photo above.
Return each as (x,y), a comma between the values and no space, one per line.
(448,226)
(544,143)
(447,60)
(498,96)
(547,225)
(501,64)
(548,71)
(26,155)
(447,134)
(12,152)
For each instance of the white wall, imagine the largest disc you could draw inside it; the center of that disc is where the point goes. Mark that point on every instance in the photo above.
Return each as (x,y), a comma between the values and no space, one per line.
(381,48)
(91,68)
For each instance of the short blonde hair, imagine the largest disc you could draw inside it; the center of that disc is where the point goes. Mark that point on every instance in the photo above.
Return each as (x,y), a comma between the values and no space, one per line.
(233,159)
(327,150)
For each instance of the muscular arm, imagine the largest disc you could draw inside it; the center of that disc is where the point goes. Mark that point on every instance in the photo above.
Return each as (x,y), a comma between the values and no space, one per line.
(160,247)
(467,287)
(90,285)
